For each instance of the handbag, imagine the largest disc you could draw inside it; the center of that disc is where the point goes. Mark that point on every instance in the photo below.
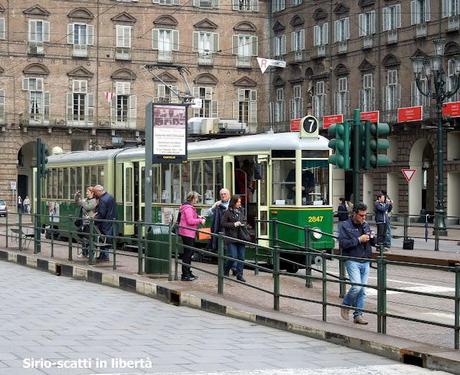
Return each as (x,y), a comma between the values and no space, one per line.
(243,234)
(204,234)
(79,221)
(175,227)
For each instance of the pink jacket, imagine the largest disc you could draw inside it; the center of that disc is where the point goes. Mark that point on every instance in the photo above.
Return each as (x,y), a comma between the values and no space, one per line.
(189,218)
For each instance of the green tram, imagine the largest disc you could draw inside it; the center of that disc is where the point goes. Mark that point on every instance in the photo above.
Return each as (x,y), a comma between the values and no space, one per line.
(279,176)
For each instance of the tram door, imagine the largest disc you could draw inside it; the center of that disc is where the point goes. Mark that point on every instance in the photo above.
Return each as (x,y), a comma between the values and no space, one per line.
(128,198)
(262,176)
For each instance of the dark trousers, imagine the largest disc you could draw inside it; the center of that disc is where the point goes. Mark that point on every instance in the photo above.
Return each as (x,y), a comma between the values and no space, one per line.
(381,232)
(187,253)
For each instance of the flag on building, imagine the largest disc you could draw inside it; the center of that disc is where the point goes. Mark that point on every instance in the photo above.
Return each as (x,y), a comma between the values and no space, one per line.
(108,96)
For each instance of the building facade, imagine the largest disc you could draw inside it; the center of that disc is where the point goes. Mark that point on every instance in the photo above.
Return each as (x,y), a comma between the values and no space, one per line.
(343,55)
(78,73)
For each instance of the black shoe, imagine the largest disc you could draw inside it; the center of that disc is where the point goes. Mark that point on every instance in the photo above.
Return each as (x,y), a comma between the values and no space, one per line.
(186,278)
(194,277)
(241,278)
(227,273)
(234,273)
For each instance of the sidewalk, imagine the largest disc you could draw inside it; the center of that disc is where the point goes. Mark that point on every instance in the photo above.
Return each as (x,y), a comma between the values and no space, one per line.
(247,303)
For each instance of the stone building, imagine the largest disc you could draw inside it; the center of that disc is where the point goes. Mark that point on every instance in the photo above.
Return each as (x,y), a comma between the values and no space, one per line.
(343,55)
(74,72)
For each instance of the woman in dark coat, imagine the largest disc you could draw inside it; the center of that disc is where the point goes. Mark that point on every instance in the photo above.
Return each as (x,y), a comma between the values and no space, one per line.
(232,220)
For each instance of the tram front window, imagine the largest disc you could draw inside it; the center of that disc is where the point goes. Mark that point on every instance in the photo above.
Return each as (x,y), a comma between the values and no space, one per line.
(283,181)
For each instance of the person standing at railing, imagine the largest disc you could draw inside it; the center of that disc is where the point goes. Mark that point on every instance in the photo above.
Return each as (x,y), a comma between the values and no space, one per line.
(355,240)
(217,210)
(382,207)
(232,222)
(342,213)
(189,222)
(106,212)
(87,212)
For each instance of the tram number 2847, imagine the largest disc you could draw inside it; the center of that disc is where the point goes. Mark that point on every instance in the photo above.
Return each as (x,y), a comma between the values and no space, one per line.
(315,219)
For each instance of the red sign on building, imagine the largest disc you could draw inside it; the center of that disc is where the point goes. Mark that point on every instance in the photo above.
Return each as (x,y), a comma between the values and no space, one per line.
(409,114)
(331,120)
(451,109)
(372,116)
(295,125)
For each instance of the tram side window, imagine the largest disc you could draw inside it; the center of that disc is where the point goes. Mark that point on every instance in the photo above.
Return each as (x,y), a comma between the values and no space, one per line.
(315,181)
(73,181)
(283,181)
(165,183)
(66,183)
(208,183)
(101,175)
(80,180)
(219,181)
(185,179)
(176,183)
(60,183)
(196,176)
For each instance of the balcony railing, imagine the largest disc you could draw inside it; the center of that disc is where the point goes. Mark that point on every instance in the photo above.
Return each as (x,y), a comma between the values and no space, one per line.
(392,36)
(421,30)
(35,48)
(165,56)
(342,47)
(243,61)
(300,56)
(321,51)
(453,23)
(205,58)
(123,53)
(80,50)
(368,42)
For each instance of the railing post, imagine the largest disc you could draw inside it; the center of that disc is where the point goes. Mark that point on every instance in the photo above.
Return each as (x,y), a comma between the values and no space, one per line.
(342,277)
(114,243)
(324,264)
(52,240)
(6,230)
(170,244)
(436,232)
(275,232)
(91,252)
(176,257)
(69,241)
(276,278)
(256,240)
(140,263)
(379,292)
(406,224)
(308,282)
(20,230)
(383,292)
(457,306)
(220,264)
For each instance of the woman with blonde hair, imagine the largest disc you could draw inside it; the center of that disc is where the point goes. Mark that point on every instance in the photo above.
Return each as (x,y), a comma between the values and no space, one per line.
(188,224)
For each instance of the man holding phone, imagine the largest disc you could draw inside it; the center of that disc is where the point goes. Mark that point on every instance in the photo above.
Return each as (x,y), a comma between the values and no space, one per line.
(355,240)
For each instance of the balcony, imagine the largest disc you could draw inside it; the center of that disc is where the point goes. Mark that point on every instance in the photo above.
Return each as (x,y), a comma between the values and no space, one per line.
(321,51)
(123,53)
(165,56)
(205,58)
(453,23)
(35,49)
(421,30)
(392,36)
(243,61)
(342,47)
(368,42)
(80,50)
(300,56)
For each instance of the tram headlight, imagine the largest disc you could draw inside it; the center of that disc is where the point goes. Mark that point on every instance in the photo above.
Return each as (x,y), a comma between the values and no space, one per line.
(316,233)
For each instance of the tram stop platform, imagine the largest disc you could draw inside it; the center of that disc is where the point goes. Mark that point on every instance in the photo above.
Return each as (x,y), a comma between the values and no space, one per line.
(408,342)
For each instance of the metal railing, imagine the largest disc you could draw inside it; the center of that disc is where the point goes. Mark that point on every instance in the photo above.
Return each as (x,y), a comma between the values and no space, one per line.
(278,250)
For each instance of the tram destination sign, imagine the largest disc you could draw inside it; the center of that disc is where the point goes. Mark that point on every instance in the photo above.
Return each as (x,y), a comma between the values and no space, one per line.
(169,133)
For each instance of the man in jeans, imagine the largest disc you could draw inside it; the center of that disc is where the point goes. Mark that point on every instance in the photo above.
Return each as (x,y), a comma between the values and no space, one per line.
(355,239)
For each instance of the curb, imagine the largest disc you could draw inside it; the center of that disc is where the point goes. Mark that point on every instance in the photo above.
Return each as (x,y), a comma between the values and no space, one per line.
(405,351)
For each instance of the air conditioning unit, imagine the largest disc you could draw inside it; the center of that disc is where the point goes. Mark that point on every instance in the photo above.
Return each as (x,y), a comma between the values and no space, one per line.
(233,127)
(201,125)
(36,49)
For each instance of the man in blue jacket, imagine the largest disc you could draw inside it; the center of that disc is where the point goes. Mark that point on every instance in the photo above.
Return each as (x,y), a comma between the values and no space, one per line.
(106,212)
(382,207)
(355,240)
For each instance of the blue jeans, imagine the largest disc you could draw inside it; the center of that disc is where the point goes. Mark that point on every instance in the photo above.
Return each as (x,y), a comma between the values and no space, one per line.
(358,272)
(387,241)
(235,250)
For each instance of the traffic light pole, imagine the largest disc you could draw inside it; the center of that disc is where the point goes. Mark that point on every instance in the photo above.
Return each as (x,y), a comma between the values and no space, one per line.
(356,156)
(38,205)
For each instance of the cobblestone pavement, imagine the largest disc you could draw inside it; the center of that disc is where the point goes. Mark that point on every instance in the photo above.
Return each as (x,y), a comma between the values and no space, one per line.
(50,321)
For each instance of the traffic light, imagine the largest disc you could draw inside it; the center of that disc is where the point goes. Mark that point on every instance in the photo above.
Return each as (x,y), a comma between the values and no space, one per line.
(366,145)
(45,153)
(340,144)
(378,141)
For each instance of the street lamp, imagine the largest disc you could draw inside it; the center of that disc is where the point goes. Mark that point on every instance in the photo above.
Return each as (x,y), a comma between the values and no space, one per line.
(430,69)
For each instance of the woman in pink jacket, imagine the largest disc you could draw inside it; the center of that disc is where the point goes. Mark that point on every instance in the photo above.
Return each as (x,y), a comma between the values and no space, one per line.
(189,222)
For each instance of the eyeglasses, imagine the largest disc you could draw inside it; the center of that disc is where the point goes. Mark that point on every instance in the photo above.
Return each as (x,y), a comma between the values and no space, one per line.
(361,215)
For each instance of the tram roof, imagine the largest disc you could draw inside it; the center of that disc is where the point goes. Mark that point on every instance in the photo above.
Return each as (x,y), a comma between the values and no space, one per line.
(237,145)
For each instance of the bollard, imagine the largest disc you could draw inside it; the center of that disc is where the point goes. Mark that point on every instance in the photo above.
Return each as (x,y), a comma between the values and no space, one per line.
(276,278)
(176,258)
(308,282)
(324,263)
(406,224)
(91,253)
(20,230)
(220,264)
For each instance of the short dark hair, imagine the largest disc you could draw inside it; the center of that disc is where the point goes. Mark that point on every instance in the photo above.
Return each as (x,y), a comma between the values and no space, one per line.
(233,200)
(360,206)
